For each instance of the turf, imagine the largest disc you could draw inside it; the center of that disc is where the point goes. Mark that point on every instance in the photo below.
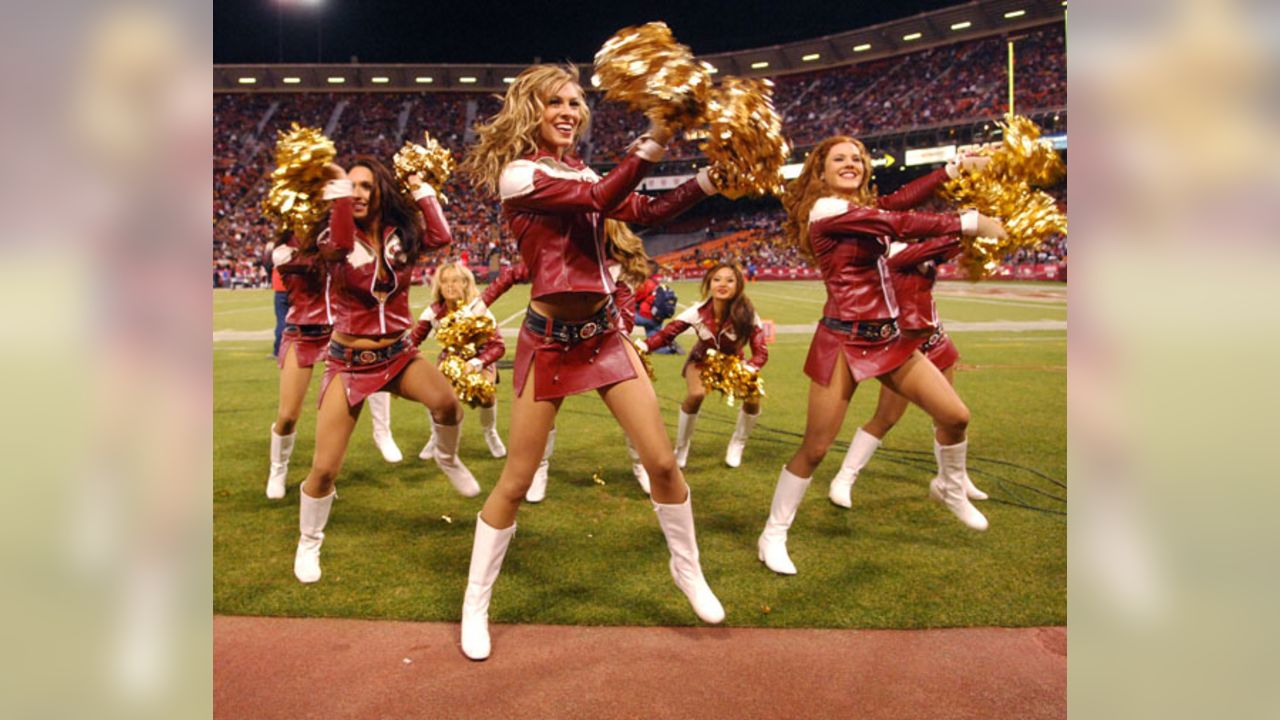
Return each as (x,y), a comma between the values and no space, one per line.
(399,539)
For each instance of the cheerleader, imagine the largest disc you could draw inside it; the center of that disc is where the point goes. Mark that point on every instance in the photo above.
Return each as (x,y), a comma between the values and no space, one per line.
(914,269)
(835,216)
(308,326)
(571,340)
(628,266)
(376,235)
(725,321)
(452,288)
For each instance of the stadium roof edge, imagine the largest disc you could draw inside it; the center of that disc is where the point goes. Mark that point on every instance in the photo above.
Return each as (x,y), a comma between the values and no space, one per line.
(970,21)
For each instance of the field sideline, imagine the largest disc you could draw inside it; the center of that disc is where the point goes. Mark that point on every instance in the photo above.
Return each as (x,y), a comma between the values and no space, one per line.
(399,539)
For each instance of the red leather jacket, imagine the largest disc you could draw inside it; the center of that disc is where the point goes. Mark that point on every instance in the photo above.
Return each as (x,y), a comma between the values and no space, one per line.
(850,243)
(306,280)
(364,305)
(914,270)
(489,353)
(556,210)
(623,297)
(702,318)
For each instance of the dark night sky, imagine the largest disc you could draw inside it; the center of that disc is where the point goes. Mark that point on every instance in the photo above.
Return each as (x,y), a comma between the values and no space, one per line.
(464,31)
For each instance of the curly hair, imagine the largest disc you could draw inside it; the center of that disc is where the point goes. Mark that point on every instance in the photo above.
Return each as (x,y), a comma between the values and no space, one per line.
(628,249)
(513,132)
(810,186)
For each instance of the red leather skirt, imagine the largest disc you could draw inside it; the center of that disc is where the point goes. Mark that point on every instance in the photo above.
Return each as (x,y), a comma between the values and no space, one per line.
(866,358)
(570,358)
(362,380)
(307,348)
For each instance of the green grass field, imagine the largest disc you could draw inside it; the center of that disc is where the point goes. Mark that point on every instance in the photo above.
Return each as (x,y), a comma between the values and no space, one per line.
(399,538)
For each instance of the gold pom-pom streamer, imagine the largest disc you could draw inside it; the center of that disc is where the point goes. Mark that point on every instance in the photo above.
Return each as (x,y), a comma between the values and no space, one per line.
(643,352)
(730,376)
(294,201)
(744,138)
(1005,189)
(644,67)
(461,336)
(431,160)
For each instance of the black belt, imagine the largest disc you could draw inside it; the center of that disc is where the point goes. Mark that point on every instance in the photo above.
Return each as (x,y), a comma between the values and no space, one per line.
(934,340)
(864,329)
(309,330)
(366,356)
(570,333)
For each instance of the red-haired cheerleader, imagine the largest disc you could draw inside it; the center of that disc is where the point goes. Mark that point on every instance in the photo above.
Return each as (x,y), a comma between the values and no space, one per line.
(914,269)
(376,234)
(725,321)
(571,341)
(835,216)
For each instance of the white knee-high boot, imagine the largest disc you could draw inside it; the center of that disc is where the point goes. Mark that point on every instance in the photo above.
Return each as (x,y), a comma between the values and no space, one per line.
(538,489)
(772,545)
(684,436)
(948,488)
(380,413)
(637,468)
(686,569)
(861,448)
(487,552)
(738,443)
(446,457)
(428,451)
(313,515)
(281,451)
(969,488)
(489,424)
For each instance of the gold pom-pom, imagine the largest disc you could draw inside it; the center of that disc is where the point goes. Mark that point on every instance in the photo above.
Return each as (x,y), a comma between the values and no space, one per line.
(644,67)
(744,138)
(461,336)
(431,160)
(294,201)
(469,385)
(1005,189)
(730,376)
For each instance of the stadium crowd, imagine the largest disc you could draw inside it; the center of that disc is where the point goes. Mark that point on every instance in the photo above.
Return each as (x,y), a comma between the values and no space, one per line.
(946,84)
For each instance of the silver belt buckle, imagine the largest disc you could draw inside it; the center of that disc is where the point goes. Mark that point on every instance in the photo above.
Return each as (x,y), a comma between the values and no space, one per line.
(367,357)
(588,331)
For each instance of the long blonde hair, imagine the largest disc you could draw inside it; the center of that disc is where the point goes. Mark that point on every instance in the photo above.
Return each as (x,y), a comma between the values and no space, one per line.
(513,132)
(809,187)
(628,249)
(469,293)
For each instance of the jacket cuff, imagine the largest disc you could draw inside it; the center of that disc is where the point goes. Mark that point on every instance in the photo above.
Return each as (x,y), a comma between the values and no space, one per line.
(648,149)
(281,255)
(969,222)
(424,191)
(953,167)
(704,182)
(335,189)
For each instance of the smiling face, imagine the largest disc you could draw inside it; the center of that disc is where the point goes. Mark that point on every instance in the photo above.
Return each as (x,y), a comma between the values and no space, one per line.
(364,202)
(724,284)
(561,117)
(846,168)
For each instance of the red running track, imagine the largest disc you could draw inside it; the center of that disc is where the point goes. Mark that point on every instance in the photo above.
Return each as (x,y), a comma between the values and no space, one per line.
(317,668)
